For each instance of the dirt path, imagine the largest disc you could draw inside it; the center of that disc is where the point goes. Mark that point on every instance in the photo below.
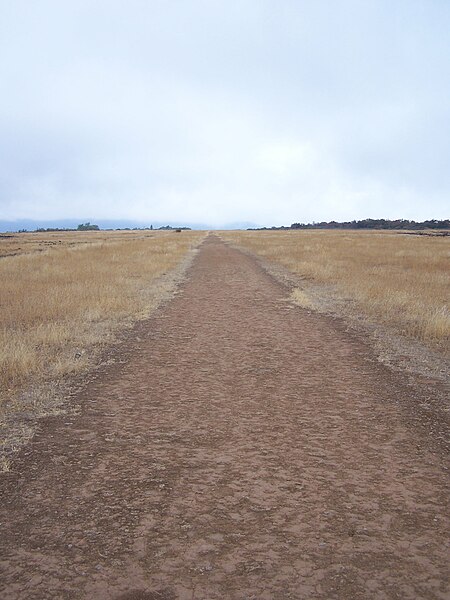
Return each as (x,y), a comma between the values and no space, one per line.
(243,449)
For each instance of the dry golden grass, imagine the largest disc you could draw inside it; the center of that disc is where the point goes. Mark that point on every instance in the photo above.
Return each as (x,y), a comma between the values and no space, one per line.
(399,279)
(63,293)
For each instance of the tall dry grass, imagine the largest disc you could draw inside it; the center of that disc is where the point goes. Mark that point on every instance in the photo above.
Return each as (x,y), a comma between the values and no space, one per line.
(63,293)
(402,280)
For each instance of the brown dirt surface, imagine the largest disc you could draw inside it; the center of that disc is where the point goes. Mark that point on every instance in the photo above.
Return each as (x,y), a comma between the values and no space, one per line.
(240,448)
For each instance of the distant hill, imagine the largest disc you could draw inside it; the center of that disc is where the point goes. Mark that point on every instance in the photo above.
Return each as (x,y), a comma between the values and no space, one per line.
(237,225)
(32,225)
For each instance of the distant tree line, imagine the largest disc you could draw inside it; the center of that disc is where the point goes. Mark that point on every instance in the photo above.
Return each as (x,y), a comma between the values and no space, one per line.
(47,229)
(81,227)
(151,228)
(92,227)
(178,228)
(88,227)
(371,224)
(376,224)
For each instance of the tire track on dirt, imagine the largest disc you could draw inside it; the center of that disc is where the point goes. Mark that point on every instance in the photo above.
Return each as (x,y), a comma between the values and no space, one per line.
(244,448)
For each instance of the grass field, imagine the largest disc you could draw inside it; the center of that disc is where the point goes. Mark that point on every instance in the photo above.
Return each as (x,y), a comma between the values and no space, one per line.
(401,280)
(63,293)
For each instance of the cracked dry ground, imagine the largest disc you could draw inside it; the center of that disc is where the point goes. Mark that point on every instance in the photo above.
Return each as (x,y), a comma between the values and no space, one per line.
(241,448)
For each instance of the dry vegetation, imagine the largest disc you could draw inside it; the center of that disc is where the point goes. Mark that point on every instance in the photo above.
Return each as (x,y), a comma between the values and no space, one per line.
(401,280)
(64,293)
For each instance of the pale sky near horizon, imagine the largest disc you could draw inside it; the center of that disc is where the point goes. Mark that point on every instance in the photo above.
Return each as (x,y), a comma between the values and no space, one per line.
(217,111)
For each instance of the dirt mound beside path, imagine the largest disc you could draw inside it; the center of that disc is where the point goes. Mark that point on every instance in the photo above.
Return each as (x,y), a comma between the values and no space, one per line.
(243,448)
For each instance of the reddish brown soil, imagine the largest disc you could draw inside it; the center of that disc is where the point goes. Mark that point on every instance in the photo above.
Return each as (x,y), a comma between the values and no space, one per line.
(243,448)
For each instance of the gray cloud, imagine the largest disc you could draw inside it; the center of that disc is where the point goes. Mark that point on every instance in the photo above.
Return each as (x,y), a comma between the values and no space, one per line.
(217,111)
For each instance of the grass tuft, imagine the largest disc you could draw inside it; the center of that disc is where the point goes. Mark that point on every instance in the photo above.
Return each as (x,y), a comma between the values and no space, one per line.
(301,298)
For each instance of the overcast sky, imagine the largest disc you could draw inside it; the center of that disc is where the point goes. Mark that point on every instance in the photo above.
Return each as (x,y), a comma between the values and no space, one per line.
(211,111)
